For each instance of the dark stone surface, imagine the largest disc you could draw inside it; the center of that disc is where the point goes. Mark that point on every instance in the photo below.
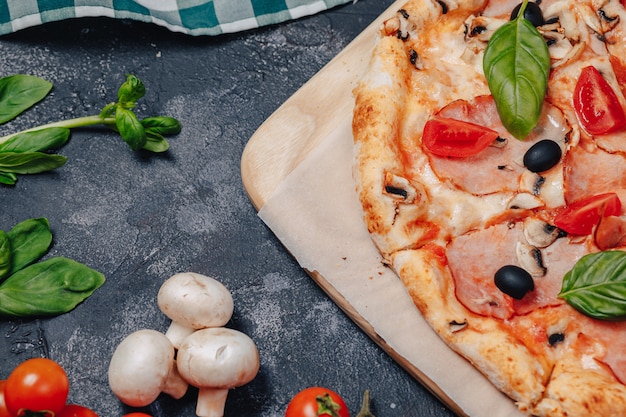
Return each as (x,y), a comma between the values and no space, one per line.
(140,218)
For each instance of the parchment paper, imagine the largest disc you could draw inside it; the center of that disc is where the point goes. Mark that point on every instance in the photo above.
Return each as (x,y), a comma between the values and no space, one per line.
(316,214)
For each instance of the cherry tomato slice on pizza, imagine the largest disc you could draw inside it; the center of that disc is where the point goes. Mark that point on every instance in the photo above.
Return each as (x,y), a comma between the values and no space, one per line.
(596,104)
(580,217)
(75,410)
(456,138)
(317,402)
(36,385)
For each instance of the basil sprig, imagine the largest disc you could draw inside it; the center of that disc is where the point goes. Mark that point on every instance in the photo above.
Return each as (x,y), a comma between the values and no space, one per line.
(29,151)
(31,288)
(596,285)
(516,64)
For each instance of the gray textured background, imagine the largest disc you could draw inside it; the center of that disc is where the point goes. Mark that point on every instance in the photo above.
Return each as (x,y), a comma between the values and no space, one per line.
(139,218)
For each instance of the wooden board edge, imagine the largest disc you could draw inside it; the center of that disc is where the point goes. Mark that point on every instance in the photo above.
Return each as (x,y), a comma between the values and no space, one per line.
(281,143)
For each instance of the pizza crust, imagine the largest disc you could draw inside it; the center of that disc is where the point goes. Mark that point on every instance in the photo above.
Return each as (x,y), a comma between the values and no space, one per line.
(481,340)
(393,204)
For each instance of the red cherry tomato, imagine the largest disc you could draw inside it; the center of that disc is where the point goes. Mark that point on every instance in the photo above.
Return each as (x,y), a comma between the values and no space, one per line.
(456,138)
(317,402)
(597,106)
(3,407)
(37,385)
(580,217)
(74,410)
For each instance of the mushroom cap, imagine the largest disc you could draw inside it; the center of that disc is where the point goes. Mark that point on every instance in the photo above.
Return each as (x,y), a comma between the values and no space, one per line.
(195,300)
(140,366)
(218,358)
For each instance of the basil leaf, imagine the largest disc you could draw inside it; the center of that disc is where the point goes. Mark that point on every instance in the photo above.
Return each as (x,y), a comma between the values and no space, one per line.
(596,285)
(5,255)
(29,162)
(51,287)
(30,240)
(8,178)
(130,91)
(163,125)
(155,142)
(19,92)
(517,65)
(130,128)
(37,141)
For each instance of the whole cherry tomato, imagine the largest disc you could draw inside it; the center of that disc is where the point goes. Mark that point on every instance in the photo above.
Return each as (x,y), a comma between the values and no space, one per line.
(581,216)
(317,402)
(37,384)
(456,138)
(74,410)
(3,407)
(598,109)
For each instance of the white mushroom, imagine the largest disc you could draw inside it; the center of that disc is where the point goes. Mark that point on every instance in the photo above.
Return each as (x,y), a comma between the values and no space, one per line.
(193,301)
(142,367)
(215,360)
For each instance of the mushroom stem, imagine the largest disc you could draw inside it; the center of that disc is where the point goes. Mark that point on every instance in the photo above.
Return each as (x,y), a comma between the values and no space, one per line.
(174,385)
(211,402)
(177,332)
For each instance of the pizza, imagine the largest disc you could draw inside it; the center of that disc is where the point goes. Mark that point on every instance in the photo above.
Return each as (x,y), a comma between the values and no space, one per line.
(490,163)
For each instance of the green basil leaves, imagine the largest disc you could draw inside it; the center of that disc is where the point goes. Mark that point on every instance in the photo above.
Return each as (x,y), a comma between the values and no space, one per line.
(50,287)
(30,288)
(19,92)
(29,241)
(596,285)
(29,151)
(517,64)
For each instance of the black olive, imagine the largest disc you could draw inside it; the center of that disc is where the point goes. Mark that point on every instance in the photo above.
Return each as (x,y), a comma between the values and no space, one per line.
(555,338)
(397,191)
(542,156)
(514,281)
(532,13)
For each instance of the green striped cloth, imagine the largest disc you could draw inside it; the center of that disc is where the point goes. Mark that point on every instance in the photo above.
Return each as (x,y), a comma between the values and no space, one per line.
(193,17)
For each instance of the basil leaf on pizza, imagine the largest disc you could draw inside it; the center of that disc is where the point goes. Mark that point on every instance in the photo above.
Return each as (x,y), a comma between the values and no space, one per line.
(596,285)
(516,64)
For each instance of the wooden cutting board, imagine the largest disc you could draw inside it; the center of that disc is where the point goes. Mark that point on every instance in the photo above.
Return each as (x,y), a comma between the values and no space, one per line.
(287,137)
(303,121)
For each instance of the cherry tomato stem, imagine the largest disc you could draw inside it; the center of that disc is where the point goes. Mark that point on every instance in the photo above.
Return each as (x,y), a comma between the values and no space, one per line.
(365,406)
(317,402)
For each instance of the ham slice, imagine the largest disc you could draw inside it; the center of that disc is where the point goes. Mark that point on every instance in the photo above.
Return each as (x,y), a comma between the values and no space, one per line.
(581,177)
(498,168)
(475,257)
(611,232)
(596,342)
(611,335)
